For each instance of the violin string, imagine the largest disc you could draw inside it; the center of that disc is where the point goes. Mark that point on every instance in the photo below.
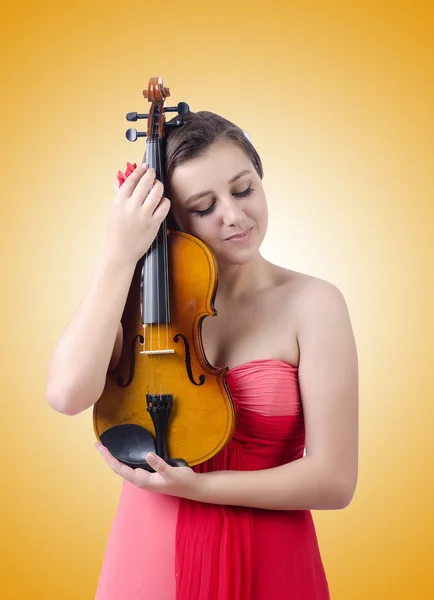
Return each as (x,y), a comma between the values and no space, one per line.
(145,328)
(166,290)
(160,171)
(151,164)
(165,272)
(143,275)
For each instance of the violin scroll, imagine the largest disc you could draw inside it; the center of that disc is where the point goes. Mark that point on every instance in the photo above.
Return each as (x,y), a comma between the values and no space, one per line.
(156,93)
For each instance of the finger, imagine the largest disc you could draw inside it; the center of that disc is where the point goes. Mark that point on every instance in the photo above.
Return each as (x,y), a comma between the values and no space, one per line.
(153,198)
(159,465)
(158,210)
(111,460)
(162,210)
(129,185)
(144,186)
(136,476)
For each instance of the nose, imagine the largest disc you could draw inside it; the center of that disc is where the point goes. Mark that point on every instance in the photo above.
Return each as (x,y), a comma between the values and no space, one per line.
(231,212)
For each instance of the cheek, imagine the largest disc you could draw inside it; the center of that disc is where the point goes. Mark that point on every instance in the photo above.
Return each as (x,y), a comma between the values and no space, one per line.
(204,228)
(194,225)
(259,210)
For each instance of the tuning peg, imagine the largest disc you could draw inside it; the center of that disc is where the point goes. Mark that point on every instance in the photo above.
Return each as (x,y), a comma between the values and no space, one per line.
(181,108)
(173,124)
(133,134)
(133,116)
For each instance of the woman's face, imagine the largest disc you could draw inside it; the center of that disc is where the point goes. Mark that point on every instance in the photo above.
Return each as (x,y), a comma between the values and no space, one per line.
(220,195)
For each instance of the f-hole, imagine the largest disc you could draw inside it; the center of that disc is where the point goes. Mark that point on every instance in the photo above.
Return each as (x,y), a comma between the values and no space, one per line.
(202,378)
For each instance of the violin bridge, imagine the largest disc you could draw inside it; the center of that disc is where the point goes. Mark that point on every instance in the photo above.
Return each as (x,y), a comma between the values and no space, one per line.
(168,351)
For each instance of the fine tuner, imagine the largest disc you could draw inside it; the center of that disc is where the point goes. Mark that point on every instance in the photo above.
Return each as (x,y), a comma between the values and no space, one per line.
(132,134)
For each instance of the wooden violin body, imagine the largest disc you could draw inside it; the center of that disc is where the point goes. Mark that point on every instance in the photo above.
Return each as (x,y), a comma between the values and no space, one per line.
(164,395)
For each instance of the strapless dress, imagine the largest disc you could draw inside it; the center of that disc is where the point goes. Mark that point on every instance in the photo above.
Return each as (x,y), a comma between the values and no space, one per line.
(166,548)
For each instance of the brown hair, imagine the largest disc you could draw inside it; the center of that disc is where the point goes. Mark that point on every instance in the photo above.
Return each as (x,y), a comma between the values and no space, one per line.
(193,138)
(199,131)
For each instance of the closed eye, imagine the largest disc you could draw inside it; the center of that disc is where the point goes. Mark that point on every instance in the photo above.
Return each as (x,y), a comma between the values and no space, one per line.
(244,193)
(207,211)
(210,209)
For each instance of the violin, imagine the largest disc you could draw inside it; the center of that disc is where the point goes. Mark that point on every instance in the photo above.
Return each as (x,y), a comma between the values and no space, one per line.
(164,396)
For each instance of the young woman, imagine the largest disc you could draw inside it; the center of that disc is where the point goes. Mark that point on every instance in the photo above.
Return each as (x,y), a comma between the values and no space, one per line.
(238,527)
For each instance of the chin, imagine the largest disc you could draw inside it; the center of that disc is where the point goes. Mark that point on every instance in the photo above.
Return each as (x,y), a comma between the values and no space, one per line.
(237,258)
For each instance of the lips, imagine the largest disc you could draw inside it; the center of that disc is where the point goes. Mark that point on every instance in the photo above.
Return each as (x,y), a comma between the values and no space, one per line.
(240,235)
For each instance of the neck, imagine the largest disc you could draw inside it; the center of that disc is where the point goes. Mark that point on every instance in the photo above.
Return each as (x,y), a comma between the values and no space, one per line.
(236,281)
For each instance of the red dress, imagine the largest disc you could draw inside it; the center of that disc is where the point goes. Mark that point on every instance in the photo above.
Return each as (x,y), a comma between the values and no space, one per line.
(164,548)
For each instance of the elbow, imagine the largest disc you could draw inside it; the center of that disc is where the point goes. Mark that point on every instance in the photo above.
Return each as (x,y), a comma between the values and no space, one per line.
(61,404)
(63,401)
(70,395)
(342,493)
(342,499)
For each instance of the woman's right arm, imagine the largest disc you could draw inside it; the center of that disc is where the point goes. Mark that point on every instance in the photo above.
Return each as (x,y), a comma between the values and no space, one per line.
(91,343)
(79,362)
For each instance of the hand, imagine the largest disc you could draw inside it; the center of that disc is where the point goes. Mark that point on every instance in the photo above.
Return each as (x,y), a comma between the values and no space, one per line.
(173,481)
(136,215)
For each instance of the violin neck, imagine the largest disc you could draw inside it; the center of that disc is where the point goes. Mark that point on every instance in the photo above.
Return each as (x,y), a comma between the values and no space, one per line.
(155,297)
(155,157)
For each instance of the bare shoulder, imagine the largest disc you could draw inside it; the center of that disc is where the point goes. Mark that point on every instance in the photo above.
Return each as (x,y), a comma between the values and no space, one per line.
(315,307)
(308,295)
(321,321)
(317,294)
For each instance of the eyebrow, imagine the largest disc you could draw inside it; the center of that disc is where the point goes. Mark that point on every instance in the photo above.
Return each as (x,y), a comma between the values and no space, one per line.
(197,196)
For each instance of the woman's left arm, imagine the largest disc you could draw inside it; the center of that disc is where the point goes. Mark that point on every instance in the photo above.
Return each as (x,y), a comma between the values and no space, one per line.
(326,477)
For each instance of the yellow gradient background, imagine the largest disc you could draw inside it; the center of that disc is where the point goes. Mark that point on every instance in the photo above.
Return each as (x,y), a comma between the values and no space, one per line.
(338,99)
